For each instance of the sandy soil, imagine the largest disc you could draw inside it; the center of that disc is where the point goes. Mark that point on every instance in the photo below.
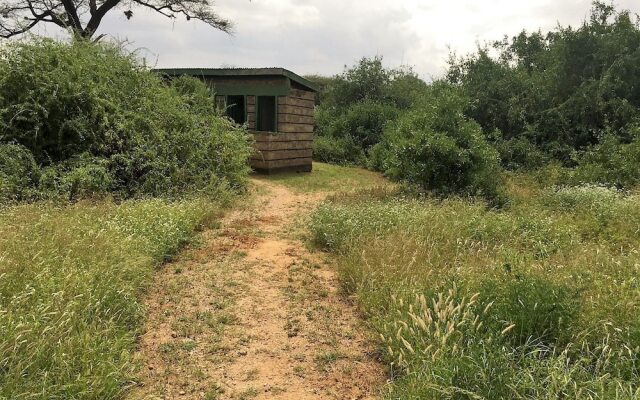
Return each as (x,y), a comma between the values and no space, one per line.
(252,313)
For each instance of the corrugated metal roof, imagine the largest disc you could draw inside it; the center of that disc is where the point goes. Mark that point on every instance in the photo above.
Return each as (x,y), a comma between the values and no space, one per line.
(270,71)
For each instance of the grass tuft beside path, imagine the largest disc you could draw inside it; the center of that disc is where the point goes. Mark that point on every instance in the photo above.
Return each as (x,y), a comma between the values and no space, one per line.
(536,301)
(70,279)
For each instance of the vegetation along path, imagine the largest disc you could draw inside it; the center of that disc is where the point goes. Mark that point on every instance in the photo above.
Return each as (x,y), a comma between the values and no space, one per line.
(251,313)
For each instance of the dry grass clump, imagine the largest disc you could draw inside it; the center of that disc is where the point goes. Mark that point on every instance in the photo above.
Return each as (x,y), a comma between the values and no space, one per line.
(537,301)
(70,279)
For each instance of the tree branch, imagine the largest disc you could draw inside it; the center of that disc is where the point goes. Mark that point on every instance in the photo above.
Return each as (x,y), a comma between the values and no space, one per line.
(96,17)
(191,10)
(15,32)
(36,13)
(72,14)
(160,10)
(83,17)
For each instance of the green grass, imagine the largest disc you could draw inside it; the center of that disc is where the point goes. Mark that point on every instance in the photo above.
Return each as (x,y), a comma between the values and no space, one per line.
(325,359)
(327,177)
(537,301)
(70,284)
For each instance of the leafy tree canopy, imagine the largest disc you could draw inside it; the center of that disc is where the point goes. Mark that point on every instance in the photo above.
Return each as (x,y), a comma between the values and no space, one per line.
(560,90)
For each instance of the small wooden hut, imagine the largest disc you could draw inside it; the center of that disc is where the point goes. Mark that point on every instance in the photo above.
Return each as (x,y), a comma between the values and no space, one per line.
(277,106)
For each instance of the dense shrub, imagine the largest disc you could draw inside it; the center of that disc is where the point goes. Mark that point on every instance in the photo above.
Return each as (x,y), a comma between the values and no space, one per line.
(79,176)
(346,136)
(18,172)
(435,147)
(99,121)
(341,151)
(357,105)
(363,123)
(560,89)
(567,96)
(378,156)
(197,96)
(520,153)
(611,162)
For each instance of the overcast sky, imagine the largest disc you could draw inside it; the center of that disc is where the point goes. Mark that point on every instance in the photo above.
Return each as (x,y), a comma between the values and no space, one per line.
(322,36)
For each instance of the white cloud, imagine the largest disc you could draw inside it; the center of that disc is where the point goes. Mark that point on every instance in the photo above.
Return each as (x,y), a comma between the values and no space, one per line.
(321,36)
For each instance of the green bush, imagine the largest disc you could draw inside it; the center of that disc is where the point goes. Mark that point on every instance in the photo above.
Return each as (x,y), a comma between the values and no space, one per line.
(435,147)
(18,172)
(378,156)
(348,135)
(358,104)
(611,162)
(341,151)
(363,123)
(197,96)
(563,88)
(92,101)
(519,153)
(84,176)
(370,81)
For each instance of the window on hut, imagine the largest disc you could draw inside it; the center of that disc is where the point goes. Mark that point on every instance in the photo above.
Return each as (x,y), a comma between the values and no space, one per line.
(266,114)
(236,110)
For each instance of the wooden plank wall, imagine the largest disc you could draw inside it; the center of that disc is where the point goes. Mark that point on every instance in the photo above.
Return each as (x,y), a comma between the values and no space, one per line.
(292,146)
(251,112)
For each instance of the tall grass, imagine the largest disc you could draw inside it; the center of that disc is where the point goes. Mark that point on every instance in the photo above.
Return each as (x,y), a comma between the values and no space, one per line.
(537,301)
(70,280)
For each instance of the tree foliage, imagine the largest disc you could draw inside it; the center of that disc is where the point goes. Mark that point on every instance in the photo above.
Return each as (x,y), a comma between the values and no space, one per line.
(611,162)
(560,90)
(83,17)
(570,96)
(356,105)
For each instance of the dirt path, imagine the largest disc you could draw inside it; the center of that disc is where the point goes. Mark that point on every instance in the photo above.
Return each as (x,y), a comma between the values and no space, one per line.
(251,313)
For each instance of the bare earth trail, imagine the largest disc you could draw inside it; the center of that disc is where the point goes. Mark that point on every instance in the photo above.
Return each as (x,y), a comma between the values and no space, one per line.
(252,313)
